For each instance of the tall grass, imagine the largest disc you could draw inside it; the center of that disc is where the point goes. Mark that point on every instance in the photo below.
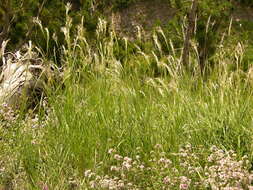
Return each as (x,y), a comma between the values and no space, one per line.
(147,106)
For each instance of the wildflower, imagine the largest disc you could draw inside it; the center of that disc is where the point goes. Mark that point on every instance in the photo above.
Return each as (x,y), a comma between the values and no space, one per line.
(105,183)
(117,157)
(115,168)
(183,154)
(127,159)
(183,186)
(92,184)
(88,173)
(251,178)
(33,142)
(166,180)
(126,165)
(137,157)
(161,160)
(121,184)
(111,150)
(166,162)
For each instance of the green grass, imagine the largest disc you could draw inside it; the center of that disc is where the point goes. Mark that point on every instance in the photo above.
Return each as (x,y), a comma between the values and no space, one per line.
(132,109)
(90,118)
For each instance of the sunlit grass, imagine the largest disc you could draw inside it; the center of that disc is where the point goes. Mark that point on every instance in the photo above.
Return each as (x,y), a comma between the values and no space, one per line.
(129,107)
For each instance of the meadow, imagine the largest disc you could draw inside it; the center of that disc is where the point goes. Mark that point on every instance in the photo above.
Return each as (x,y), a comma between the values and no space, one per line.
(144,121)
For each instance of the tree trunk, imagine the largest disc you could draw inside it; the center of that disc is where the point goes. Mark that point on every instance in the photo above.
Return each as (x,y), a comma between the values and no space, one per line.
(189,33)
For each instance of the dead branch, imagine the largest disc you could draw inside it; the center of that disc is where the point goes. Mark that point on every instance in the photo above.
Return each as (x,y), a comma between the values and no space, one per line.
(24,78)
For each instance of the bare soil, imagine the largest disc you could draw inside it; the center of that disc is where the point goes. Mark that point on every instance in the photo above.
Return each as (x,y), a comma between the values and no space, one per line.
(145,14)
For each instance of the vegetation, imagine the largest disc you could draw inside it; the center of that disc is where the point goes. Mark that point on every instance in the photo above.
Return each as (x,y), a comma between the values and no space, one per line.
(246,2)
(129,114)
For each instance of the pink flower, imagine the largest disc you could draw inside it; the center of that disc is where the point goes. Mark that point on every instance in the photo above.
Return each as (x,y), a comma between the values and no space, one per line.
(45,187)
(183,186)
